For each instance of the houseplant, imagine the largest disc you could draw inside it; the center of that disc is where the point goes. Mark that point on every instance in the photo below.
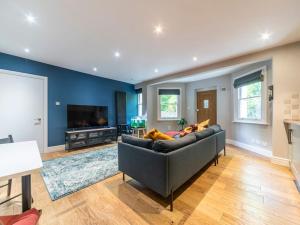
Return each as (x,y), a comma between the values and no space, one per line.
(181,123)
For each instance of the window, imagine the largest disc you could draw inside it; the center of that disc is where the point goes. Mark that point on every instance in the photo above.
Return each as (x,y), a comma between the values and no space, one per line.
(249,101)
(168,104)
(250,98)
(140,104)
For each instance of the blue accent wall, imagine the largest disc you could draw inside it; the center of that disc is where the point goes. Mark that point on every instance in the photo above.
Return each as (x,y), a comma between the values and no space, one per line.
(71,87)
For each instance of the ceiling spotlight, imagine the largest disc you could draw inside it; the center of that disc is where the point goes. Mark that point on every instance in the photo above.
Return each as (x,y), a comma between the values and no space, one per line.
(30,18)
(265,36)
(27,50)
(95,69)
(156,71)
(158,29)
(117,54)
(195,59)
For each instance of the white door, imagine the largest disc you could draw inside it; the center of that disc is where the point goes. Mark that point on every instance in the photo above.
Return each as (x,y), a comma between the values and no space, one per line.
(22,108)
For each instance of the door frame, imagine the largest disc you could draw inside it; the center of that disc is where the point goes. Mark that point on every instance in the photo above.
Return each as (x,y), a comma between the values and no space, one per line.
(213,88)
(45,101)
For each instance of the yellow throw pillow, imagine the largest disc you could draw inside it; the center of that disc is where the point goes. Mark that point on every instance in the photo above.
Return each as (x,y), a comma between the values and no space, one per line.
(150,134)
(154,134)
(188,129)
(161,136)
(203,125)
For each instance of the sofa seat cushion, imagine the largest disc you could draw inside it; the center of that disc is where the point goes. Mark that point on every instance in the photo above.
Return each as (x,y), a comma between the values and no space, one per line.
(166,146)
(217,128)
(140,142)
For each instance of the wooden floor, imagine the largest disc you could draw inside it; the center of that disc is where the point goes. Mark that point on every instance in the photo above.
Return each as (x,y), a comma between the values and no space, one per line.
(242,189)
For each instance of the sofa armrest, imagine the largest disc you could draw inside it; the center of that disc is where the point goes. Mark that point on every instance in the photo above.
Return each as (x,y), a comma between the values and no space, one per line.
(144,165)
(221,141)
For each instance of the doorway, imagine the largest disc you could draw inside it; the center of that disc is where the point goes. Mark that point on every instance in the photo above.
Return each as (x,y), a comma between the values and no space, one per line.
(207,106)
(23,103)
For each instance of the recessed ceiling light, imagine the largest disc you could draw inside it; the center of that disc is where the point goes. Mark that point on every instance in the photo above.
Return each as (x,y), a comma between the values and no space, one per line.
(27,50)
(158,29)
(30,18)
(265,36)
(155,70)
(95,69)
(117,54)
(195,58)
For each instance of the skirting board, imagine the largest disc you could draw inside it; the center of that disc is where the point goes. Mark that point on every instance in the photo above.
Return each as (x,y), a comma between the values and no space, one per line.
(256,149)
(280,161)
(55,148)
(297,176)
(260,151)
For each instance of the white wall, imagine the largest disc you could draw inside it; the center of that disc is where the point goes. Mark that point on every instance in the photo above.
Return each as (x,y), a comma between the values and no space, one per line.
(286,80)
(253,134)
(250,134)
(152,116)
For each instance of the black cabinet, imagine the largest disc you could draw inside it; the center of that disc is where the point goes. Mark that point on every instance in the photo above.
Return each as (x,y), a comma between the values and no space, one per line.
(89,137)
(120,105)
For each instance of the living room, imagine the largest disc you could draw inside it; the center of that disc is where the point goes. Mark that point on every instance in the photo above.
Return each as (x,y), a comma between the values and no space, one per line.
(162,113)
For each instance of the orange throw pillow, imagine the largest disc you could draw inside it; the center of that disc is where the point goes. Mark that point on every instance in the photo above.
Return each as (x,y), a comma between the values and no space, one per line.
(203,125)
(186,131)
(150,134)
(155,134)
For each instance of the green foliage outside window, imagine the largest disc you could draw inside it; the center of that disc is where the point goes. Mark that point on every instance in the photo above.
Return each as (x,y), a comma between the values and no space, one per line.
(250,101)
(168,106)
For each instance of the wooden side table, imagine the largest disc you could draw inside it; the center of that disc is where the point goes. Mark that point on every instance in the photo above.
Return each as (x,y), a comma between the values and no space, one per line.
(139,132)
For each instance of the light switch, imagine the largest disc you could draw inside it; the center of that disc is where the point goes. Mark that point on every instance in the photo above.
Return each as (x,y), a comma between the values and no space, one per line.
(57,103)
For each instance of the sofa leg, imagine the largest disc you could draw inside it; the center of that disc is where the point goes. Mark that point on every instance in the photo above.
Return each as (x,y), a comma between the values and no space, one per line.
(224,151)
(9,187)
(217,157)
(215,161)
(123,176)
(171,201)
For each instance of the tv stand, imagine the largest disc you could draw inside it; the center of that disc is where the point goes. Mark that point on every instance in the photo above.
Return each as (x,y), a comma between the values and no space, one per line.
(83,138)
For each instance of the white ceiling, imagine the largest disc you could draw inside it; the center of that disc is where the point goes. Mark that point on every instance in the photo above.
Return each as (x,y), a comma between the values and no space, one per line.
(206,75)
(80,35)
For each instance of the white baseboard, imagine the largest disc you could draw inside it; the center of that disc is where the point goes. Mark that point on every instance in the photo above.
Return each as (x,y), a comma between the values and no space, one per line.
(296,173)
(258,150)
(55,148)
(280,161)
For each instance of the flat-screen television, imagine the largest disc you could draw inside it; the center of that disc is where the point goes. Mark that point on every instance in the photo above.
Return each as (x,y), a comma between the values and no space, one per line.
(85,116)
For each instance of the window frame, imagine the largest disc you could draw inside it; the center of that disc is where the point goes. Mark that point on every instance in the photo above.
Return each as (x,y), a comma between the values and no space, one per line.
(159,118)
(264,101)
(140,113)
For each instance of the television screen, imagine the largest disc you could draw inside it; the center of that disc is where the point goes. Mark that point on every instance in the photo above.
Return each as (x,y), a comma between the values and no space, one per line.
(83,116)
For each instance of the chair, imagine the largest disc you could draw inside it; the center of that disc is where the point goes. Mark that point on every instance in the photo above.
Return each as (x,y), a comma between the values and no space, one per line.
(8,140)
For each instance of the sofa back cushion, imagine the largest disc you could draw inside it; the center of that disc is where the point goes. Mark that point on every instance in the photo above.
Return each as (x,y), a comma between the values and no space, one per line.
(166,146)
(144,143)
(203,134)
(217,128)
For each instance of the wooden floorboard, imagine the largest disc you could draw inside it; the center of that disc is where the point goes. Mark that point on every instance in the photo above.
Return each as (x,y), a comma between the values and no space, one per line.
(242,189)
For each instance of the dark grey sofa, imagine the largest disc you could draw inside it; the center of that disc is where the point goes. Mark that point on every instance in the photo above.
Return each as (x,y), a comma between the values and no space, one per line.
(165,172)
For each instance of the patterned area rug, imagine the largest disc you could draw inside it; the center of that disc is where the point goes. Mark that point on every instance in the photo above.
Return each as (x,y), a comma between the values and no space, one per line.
(69,174)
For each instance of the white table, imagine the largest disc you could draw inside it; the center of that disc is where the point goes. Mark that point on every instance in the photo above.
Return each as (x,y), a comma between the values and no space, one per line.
(20,159)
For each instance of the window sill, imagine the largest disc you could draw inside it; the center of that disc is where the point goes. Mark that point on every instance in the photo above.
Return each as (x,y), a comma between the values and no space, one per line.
(251,122)
(175,119)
